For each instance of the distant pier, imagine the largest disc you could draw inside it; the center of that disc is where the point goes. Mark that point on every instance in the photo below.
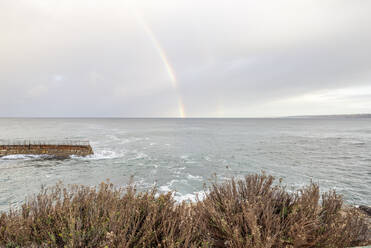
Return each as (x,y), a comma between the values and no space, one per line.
(64,148)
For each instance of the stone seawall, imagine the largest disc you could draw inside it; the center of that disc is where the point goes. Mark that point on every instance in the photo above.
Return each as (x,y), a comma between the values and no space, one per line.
(54,150)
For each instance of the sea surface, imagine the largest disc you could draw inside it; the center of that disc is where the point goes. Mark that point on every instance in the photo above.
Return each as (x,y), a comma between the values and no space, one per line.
(181,155)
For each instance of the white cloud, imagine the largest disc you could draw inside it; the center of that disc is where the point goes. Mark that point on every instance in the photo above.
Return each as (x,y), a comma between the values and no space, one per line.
(37,90)
(231,58)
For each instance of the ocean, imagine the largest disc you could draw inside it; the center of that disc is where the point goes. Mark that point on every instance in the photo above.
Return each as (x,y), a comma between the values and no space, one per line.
(184,155)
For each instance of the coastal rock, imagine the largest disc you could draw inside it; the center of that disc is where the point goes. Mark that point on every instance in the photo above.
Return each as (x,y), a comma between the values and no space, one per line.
(366,209)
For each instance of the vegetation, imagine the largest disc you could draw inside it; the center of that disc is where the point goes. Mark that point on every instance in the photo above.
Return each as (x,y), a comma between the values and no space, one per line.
(239,213)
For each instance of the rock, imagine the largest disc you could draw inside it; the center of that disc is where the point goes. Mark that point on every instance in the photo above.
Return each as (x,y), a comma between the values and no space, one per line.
(365,209)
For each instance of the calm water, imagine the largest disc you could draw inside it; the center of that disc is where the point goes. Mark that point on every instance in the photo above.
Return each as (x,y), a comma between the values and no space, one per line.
(181,155)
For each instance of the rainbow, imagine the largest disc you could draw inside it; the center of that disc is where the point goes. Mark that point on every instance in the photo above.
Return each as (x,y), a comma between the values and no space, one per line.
(165,61)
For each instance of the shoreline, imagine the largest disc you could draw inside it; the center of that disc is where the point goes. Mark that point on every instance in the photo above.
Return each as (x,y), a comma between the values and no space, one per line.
(251,204)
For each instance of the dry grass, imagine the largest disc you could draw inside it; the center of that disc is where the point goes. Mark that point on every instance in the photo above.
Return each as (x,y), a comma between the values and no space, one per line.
(238,213)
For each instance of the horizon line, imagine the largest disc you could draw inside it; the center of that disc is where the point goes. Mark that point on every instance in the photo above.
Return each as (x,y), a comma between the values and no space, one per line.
(196,117)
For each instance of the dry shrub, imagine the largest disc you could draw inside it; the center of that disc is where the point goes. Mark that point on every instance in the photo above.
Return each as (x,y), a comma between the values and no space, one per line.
(255,213)
(81,216)
(238,213)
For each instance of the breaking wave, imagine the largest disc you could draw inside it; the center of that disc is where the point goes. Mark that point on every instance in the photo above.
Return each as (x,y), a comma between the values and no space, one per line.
(26,157)
(101,155)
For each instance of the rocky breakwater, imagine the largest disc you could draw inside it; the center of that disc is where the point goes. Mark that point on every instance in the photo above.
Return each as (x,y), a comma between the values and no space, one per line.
(57,150)
(367,213)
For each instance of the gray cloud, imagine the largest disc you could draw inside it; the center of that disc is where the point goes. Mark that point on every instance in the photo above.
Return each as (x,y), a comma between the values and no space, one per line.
(231,58)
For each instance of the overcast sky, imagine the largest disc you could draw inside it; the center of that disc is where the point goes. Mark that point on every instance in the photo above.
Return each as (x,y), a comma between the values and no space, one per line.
(145,58)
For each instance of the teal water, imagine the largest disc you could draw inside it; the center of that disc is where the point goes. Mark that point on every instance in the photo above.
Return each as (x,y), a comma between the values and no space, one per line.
(182,154)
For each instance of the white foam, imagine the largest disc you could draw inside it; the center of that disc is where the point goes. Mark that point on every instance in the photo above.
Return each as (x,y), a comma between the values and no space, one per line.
(189,197)
(207,158)
(100,155)
(139,155)
(191,177)
(166,188)
(178,171)
(113,137)
(25,157)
